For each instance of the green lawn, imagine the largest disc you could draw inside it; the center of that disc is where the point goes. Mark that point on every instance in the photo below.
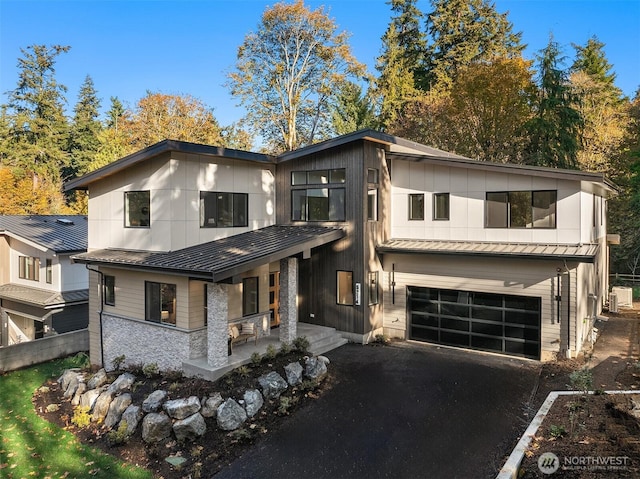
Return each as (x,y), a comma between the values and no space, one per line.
(32,447)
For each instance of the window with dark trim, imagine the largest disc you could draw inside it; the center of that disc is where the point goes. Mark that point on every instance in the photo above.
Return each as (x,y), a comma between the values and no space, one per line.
(29,268)
(48,271)
(223,210)
(440,206)
(416,206)
(315,203)
(521,209)
(250,296)
(206,304)
(372,194)
(137,209)
(344,288)
(373,288)
(110,290)
(160,303)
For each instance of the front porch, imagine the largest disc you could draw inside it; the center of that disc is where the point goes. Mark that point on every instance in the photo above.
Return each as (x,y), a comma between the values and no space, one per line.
(321,340)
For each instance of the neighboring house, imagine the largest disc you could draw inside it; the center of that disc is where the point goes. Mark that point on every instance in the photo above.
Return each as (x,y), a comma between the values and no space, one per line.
(42,292)
(366,233)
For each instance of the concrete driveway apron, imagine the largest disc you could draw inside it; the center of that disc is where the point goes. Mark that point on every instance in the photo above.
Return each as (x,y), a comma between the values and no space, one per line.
(401,411)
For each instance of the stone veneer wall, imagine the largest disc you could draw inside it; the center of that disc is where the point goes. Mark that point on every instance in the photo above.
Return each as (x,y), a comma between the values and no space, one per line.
(143,342)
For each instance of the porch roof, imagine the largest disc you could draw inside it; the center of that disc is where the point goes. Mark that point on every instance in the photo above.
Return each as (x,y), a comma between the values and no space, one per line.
(221,259)
(42,297)
(575,252)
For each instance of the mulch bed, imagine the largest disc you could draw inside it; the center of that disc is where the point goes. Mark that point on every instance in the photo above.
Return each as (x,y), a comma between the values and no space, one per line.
(213,451)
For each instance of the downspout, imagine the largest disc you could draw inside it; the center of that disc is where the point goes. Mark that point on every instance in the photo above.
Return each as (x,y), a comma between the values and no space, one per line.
(101,293)
(568,309)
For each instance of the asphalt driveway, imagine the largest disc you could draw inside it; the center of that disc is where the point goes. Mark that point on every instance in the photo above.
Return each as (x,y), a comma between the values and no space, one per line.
(401,411)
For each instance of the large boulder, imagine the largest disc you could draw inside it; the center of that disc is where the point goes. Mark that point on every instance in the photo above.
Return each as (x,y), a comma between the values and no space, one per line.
(116,408)
(253,401)
(72,386)
(98,379)
(182,408)
(88,399)
(315,368)
(68,375)
(131,416)
(122,383)
(154,401)
(293,371)
(190,427)
(101,406)
(272,385)
(156,427)
(82,388)
(230,415)
(210,404)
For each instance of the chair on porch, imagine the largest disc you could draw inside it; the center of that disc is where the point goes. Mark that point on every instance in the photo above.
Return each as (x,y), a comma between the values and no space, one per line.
(244,333)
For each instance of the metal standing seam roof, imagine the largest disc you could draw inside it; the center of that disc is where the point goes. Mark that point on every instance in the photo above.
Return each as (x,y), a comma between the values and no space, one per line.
(577,252)
(58,233)
(223,258)
(41,297)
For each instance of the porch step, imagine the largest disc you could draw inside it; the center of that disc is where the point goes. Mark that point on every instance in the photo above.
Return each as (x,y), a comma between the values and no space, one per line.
(321,338)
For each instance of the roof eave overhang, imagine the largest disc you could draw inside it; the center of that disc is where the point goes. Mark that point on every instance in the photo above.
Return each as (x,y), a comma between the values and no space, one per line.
(547,257)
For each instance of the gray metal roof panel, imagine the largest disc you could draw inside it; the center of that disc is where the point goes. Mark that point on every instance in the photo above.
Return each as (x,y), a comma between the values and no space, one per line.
(42,297)
(59,233)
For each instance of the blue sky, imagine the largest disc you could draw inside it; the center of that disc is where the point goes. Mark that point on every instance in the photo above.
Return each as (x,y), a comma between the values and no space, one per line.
(188,46)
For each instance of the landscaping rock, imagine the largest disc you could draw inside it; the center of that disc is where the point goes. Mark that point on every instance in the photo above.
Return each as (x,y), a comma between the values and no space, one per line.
(72,387)
(210,405)
(315,368)
(293,371)
(98,379)
(190,427)
(124,382)
(252,402)
(182,408)
(82,388)
(272,385)
(230,415)
(88,399)
(101,406)
(156,427)
(68,375)
(154,401)
(131,416)
(324,359)
(116,408)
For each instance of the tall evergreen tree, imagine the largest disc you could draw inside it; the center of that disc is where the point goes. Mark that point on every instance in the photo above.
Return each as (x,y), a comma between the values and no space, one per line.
(592,60)
(463,32)
(83,139)
(352,110)
(554,130)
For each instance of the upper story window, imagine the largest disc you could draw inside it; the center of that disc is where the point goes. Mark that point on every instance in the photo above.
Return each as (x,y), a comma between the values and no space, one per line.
(29,268)
(372,194)
(311,203)
(521,209)
(48,271)
(160,302)
(137,209)
(221,210)
(416,206)
(441,206)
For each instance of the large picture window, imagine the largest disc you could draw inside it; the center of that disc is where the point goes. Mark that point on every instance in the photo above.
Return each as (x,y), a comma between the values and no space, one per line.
(137,209)
(222,210)
(521,209)
(345,288)
(29,268)
(250,296)
(160,302)
(416,206)
(318,204)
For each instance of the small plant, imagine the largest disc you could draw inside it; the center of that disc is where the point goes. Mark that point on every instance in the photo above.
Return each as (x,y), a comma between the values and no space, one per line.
(581,380)
(243,371)
(309,384)
(271,353)
(118,361)
(256,359)
(119,436)
(285,349)
(301,344)
(81,360)
(150,370)
(81,417)
(381,339)
(174,386)
(557,432)
(173,375)
(240,435)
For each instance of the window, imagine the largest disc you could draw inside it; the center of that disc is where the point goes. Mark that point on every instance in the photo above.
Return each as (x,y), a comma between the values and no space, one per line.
(521,209)
(345,288)
(110,290)
(29,268)
(372,204)
(318,204)
(48,271)
(160,303)
(372,175)
(416,206)
(206,304)
(137,209)
(373,287)
(441,206)
(222,210)
(318,177)
(249,296)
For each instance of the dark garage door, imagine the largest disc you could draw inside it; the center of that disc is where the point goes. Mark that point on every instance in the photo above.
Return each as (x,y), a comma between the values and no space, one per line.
(488,322)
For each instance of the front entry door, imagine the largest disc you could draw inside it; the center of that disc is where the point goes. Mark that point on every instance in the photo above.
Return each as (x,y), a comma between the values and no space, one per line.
(274,294)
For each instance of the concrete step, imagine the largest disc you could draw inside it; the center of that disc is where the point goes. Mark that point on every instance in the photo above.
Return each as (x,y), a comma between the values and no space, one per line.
(327,344)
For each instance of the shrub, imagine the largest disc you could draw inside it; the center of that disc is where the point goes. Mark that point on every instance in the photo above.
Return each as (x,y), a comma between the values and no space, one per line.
(256,359)
(150,370)
(381,339)
(557,432)
(118,361)
(301,344)
(242,371)
(581,380)
(284,349)
(271,353)
(81,360)
(81,417)
(115,437)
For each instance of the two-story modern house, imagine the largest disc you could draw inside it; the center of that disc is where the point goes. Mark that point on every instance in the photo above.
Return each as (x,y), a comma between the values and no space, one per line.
(42,292)
(366,233)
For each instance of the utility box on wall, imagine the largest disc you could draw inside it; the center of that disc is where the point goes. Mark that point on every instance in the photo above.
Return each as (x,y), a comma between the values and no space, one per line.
(624,295)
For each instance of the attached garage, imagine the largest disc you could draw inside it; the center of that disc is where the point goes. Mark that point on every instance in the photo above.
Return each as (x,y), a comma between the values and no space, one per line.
(498,323)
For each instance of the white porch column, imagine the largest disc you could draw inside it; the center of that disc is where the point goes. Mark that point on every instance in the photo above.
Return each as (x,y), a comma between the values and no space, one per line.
(217,325)
(288,299)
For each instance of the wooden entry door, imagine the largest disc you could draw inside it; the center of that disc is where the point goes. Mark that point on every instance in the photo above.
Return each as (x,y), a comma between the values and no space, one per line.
(274,295)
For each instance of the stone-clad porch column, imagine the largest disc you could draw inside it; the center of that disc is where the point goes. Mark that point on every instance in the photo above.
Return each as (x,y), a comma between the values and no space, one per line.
(288,299)
(217,325)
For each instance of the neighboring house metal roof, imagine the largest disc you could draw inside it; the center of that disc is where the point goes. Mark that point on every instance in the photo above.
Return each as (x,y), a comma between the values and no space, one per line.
(159,148)
(221,259)
(58,233)
(580,252)
(42,297)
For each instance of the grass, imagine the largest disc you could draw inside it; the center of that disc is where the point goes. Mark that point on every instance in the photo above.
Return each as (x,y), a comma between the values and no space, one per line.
(31,447)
